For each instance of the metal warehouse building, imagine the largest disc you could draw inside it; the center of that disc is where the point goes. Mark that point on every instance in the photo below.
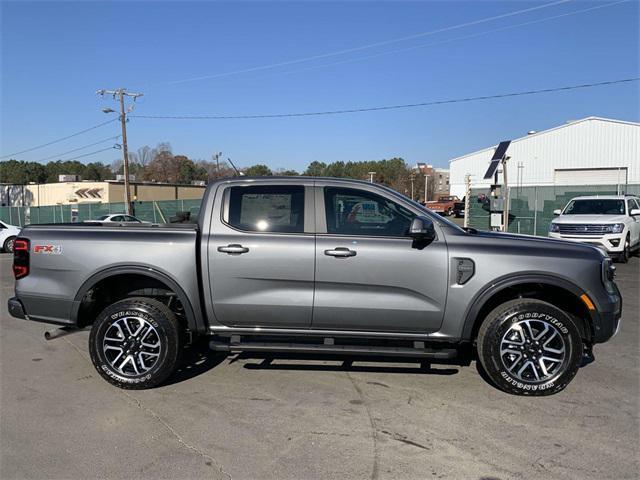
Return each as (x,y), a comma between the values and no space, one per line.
(591,151)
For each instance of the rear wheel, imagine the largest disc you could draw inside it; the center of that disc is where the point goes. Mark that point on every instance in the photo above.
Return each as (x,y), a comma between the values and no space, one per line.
(134,343)
(8,244)
(529,347)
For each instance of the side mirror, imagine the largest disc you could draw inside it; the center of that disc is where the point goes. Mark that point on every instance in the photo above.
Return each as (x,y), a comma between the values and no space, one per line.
(422,229)
(557,212)
(635,212)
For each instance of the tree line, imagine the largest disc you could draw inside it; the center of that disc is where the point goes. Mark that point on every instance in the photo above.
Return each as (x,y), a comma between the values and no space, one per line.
(160,164)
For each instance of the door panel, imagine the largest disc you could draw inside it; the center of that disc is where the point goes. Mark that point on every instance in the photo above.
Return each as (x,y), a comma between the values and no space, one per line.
(386,286)
(271,285)
(368,275)
(635,224)
(261,256)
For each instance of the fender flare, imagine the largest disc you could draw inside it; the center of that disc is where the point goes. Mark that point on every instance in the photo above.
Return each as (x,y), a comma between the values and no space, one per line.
(507,281)
(194,319)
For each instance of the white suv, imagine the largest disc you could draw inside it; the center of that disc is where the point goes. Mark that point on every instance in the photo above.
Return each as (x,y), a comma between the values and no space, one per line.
(8,234)
(611,222)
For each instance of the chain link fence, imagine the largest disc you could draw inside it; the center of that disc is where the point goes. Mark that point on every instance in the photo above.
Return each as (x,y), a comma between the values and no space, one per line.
(154,211)
(531,208)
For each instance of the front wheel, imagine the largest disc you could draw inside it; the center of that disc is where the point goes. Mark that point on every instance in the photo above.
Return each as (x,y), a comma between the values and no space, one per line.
(134,343)
(529,347)
(8,244)
(626,251)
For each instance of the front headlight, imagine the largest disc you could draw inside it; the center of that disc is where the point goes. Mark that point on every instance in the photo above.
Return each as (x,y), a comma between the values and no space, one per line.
(617,228)
(554,227)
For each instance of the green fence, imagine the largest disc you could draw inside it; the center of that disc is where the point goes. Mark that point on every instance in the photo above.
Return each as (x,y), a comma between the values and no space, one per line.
(531,208)
(156,212)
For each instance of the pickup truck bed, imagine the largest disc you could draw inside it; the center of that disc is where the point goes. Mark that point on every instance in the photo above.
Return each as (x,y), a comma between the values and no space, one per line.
(91,252)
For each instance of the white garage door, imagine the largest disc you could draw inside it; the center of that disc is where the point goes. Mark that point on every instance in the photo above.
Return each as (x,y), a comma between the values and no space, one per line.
(591,176)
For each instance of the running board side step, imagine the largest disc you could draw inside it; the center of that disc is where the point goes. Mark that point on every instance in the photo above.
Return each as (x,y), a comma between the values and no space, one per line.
(327,348)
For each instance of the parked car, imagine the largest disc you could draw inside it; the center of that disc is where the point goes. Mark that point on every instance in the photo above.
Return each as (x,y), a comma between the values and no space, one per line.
(458,208)
(117,218)
(443,206)
(328,266)
(610,222)
(8,234)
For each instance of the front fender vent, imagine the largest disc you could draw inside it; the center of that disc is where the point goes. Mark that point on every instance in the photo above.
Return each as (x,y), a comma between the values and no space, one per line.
(465,269)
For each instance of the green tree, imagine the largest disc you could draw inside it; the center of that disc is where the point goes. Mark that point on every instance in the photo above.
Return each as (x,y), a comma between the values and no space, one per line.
(97,171)
(259,170)
(63,167)
(316,169)
(21,172)
(287,173)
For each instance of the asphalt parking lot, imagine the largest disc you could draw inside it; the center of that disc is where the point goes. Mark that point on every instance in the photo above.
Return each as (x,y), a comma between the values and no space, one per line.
(249,418)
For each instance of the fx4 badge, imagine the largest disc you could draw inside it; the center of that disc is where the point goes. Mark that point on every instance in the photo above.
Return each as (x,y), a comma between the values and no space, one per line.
(48,249)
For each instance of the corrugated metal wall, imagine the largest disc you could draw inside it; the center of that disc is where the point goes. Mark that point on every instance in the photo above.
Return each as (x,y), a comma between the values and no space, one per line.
(589,143)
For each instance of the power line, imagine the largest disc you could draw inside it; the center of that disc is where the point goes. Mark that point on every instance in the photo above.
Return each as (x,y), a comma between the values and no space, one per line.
(388,107)
(455,39)
(88,154)
(362,47)
(60,139)
(58,155)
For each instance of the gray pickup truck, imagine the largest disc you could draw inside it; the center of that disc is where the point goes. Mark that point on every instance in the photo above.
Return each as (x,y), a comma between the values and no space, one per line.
(320,265)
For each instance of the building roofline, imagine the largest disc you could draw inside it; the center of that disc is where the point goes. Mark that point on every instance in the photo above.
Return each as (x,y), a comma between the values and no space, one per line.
(541,132)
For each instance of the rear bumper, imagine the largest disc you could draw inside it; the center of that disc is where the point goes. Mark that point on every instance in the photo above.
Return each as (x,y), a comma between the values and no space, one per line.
(15,308)
(41,311)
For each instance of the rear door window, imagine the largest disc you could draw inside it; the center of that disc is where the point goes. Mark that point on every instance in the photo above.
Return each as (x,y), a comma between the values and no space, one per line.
(267,208)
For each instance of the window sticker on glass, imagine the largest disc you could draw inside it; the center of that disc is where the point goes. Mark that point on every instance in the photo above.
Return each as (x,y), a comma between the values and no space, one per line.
(265,209)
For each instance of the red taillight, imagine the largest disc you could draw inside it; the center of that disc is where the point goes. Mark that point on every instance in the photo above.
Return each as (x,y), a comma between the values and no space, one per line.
(20,258)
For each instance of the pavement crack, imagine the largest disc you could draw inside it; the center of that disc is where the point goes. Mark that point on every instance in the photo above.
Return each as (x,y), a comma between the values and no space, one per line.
(402,438)
(209,460)
(375,470)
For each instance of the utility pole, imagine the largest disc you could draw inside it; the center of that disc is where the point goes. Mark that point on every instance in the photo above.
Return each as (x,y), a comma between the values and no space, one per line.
(426,188)
(505,219)
(413,177)
(121,93)
(467,195)
(216,157)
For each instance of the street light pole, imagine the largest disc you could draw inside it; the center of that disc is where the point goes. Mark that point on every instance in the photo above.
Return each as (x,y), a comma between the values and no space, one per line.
(426,188)
(412,179)
(121,93)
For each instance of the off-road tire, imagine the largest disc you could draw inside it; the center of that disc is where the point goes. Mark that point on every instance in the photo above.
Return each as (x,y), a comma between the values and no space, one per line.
(166,331)
(511,315)
(7,247)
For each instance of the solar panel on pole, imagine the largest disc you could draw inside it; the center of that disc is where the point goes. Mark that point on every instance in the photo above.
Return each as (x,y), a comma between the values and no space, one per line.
(498,155)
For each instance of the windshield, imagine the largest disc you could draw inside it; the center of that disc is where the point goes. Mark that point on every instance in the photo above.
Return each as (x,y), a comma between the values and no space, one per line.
(103,217)
(595,207)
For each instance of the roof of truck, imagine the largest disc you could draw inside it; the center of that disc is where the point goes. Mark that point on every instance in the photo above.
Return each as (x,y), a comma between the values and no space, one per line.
(604,197)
